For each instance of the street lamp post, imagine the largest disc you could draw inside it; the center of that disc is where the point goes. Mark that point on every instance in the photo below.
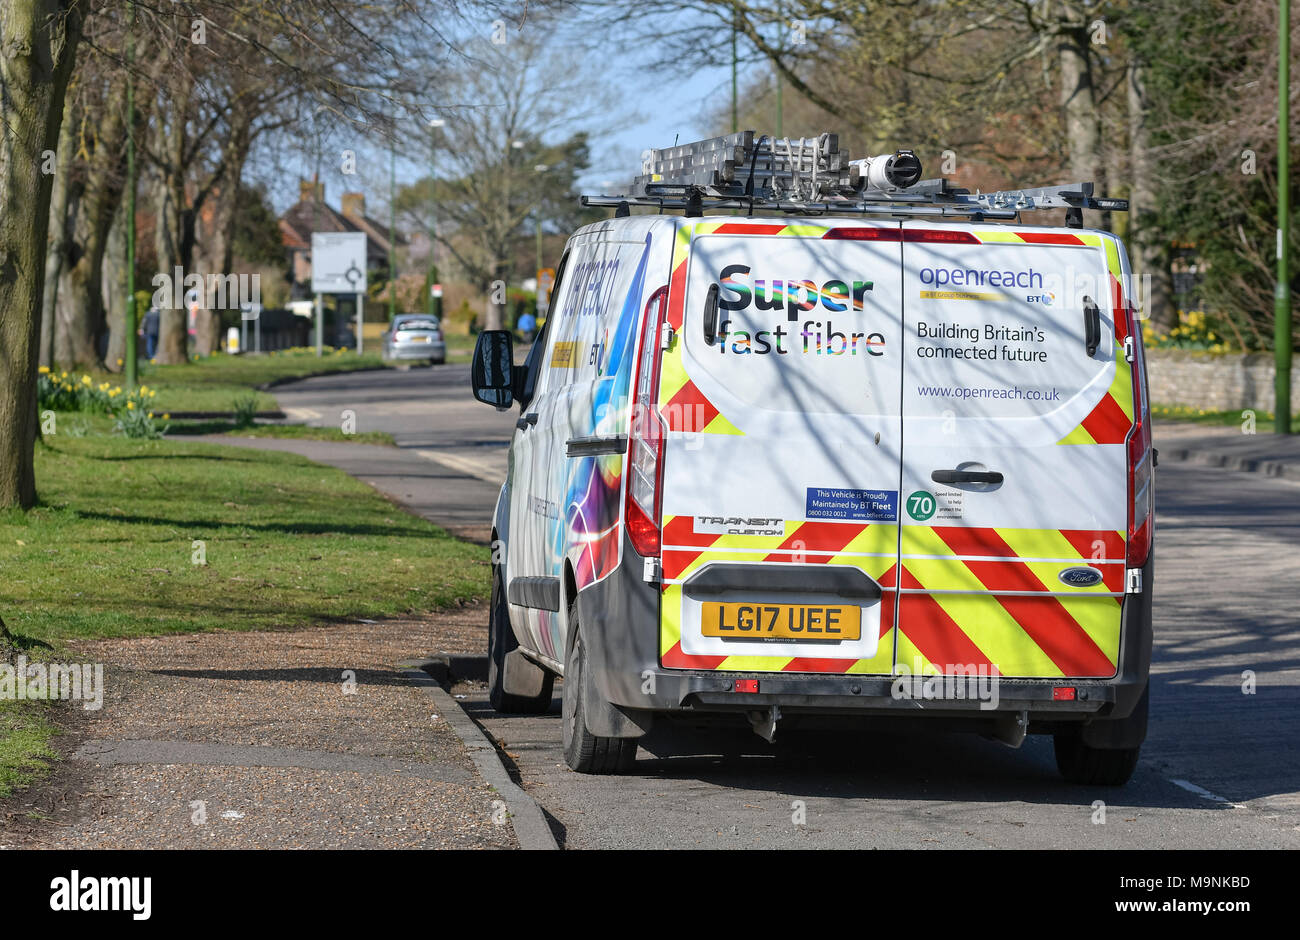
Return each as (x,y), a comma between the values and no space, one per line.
(1282,289)
(392,235)
(539,168)
(132,351)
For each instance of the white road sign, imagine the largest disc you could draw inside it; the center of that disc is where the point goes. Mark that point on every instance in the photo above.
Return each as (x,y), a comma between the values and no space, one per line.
(338,262)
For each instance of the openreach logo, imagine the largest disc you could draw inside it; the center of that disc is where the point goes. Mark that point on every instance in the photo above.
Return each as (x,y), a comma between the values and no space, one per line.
(977,682)
(81,682)
(78,893)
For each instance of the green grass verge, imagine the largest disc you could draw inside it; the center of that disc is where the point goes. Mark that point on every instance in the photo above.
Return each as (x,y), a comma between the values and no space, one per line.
(25,732)
(298,432)
(460,346)
(214,383)
(72,424)
(1238,418)
(111,550)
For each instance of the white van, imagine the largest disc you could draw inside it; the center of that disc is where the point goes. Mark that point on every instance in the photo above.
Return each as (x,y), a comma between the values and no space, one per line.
(807,468)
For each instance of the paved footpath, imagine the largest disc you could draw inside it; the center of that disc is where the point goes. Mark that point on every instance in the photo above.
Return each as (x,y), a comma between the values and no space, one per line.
(293,739)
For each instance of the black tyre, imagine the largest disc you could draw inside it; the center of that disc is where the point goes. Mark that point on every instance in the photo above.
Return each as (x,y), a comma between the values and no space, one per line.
(583,751)
(1087,764)
(1093,766)
(501,642)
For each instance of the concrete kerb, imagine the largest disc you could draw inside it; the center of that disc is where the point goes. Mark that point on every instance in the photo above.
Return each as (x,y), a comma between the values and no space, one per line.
(285,380)
(526,818)
(1207,458)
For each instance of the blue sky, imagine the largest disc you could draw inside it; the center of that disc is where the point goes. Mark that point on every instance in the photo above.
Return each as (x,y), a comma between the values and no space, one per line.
(665,107)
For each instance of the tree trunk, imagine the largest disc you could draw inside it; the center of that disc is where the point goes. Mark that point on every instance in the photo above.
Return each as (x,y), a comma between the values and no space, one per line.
(494,313)
(38,43)
(1079,106)
(1153,282)
(218,245)
(174,228)
(57,252)
(80,322)
(113,279)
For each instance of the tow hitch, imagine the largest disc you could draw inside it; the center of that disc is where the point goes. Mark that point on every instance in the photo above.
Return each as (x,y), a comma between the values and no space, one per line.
(764,722)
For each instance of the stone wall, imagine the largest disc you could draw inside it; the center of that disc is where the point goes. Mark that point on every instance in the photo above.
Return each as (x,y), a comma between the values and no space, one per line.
(1215,382)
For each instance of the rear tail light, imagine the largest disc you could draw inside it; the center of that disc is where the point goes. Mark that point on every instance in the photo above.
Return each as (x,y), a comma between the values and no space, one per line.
(1141,488)
(948,235)
(883,234)
(865,234)
(645,446)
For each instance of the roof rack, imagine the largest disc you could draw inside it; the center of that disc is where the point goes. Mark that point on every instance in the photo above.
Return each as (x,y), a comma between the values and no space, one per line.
(813,176)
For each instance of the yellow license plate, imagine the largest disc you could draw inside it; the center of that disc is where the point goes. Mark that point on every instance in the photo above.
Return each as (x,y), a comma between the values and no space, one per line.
(781,621)
(419,339)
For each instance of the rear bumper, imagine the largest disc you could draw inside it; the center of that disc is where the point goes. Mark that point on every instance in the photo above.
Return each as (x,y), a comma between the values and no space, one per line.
(401,351)
(620,621)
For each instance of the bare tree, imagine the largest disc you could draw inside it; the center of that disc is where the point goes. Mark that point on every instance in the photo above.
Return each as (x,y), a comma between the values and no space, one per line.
(38,42)
(509,153)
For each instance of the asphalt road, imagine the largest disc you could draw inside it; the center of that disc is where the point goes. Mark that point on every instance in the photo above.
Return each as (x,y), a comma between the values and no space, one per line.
(1221,768)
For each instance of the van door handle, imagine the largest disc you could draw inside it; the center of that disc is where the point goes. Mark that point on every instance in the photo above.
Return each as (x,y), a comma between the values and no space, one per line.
(711,315)
(966,476)
(526,422)
(1091,326)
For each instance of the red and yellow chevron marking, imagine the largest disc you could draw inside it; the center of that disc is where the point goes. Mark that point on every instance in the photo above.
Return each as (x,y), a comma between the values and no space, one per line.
(686,550)
(970,617)
(683,406)
(1111,419)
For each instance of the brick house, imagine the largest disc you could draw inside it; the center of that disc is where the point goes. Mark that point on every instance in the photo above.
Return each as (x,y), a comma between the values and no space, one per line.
(312,214)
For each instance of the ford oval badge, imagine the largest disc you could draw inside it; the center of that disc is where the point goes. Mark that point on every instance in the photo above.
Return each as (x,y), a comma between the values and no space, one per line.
(1080,577)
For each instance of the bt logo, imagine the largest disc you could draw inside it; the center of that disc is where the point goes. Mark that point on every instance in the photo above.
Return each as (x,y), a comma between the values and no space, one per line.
(1046,299)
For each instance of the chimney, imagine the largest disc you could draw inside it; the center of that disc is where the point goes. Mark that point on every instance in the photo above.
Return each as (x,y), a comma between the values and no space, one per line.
(354,205)
(306,188)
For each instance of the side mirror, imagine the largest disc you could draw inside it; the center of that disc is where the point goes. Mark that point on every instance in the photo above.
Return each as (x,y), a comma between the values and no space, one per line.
(492,372)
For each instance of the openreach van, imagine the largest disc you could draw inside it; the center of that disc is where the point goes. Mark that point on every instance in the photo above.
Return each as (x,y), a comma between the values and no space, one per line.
(814,440)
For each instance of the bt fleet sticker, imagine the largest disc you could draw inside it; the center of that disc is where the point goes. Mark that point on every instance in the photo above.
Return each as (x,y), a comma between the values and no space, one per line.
(823,502)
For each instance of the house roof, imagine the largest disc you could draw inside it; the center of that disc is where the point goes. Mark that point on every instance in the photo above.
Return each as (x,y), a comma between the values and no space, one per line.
(306,216)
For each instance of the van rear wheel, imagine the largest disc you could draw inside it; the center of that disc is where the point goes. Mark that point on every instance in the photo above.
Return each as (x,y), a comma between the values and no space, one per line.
(501,643)
(583,751)
(1093,766)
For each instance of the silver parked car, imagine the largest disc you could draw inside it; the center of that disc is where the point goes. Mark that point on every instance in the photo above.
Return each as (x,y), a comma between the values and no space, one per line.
(415,336)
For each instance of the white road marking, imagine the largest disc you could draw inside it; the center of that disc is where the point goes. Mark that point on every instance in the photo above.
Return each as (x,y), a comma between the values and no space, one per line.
(1204,793)
(302,414)
(474,468)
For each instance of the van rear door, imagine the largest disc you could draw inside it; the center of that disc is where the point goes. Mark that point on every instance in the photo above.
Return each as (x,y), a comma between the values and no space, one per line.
(782,452)
(1013,498)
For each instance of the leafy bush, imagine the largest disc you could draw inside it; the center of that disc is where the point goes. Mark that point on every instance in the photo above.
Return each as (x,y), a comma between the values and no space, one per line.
(64,392)
(139,423)
(1195,330)
(245,411)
